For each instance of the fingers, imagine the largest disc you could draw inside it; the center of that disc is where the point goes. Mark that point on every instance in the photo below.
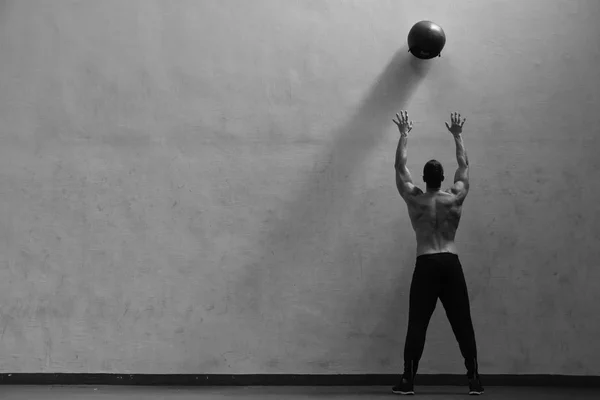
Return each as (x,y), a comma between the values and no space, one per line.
(403,122)
(455,119)
(402,117)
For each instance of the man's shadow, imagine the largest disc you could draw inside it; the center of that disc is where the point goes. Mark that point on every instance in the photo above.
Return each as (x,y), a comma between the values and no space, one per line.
(277,277)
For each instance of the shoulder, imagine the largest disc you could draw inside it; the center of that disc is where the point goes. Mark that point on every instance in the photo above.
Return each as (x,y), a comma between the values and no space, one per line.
(415,192)
(458,192)
(412,195)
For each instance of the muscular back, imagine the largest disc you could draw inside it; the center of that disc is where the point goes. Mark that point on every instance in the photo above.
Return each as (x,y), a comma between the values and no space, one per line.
(435,214)
(435,217)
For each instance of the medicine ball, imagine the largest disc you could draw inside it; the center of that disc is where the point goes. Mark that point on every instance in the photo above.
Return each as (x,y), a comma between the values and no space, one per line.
(426,40)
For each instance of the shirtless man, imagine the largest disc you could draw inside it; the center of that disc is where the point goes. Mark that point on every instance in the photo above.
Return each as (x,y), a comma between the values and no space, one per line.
(435,215)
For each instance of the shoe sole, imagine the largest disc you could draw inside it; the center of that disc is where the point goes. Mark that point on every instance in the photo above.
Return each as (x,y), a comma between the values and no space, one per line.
(404,393)
(475,393)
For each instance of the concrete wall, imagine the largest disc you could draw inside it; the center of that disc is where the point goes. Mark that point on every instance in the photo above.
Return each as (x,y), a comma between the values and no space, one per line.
(208,186)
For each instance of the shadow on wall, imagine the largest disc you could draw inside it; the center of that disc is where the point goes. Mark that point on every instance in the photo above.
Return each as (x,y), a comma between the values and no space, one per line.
(278,278)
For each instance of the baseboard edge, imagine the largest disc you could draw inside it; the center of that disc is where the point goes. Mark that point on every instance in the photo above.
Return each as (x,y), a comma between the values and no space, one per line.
(290,380)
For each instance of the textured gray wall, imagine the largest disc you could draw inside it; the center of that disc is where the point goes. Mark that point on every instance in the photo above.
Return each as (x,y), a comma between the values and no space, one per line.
(208,186)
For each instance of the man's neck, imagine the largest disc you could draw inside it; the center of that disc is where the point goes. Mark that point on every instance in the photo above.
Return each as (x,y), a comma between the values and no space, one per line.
(433,190)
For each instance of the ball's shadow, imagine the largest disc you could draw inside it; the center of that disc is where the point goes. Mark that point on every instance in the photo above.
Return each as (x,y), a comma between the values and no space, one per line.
(273,280)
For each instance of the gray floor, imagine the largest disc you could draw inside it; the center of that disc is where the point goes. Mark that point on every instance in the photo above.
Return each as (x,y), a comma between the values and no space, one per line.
(256,393)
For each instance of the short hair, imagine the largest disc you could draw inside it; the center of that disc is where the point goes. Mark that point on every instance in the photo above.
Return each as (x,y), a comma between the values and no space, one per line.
(433,174)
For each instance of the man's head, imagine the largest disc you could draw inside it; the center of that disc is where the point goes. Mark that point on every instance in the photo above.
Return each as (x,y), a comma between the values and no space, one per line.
(433,174)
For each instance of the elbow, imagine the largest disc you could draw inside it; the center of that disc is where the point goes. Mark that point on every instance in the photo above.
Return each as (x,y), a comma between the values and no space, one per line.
(400,166)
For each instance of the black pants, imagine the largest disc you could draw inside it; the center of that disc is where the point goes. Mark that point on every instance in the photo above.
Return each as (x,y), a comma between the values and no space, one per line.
(439,276)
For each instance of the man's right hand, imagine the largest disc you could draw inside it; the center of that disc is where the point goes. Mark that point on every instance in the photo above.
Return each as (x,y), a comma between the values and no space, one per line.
(456,127)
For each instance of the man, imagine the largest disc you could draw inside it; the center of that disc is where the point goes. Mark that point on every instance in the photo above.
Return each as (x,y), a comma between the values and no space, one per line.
(438,273)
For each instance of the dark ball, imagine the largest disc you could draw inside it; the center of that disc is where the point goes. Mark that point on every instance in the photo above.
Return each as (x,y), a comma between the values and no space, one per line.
(426,40)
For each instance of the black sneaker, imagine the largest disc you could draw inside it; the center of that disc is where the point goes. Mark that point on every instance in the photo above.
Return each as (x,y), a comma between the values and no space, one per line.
(405,387)
(475,387)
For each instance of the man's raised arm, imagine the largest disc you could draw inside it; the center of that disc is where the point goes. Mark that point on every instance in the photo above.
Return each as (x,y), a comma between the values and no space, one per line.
(461,177)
